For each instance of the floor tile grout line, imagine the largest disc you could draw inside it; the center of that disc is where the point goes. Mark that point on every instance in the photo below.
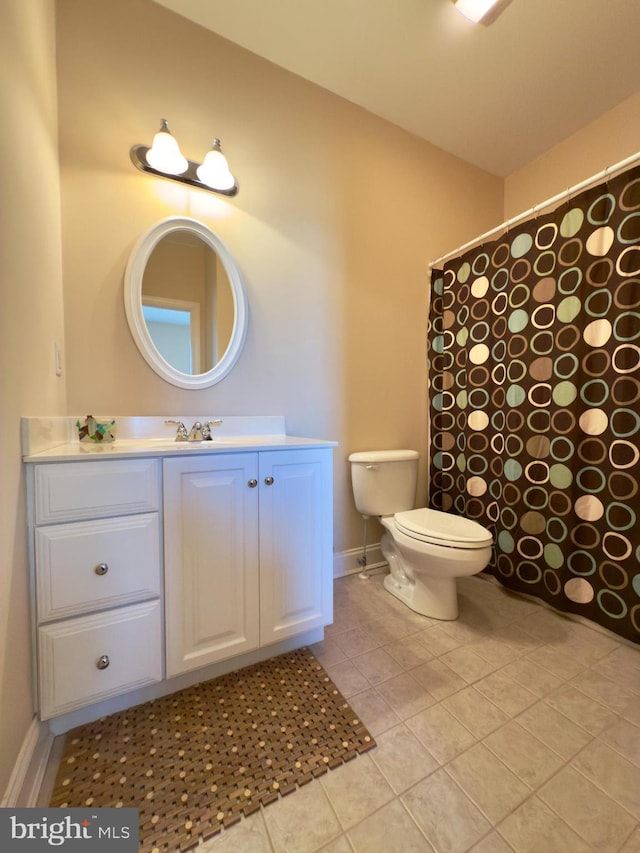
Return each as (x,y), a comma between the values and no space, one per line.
(518,654)
(444,766)
(618,751)
(266,828)
(566,762)
(592,781)
(596,781)
(397,797)
(534,792)
(333,808)
(564,683)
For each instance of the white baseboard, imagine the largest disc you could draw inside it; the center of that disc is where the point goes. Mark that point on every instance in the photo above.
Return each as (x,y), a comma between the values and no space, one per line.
(346,562)
(28,772)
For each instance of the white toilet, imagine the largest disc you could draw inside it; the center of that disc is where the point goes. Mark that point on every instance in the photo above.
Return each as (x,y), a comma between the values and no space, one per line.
(426,549)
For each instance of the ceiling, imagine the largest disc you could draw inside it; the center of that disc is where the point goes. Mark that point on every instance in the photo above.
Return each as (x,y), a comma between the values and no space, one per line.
(497,96)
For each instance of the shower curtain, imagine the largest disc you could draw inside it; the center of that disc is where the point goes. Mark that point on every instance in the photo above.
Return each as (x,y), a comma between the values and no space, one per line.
(534,365)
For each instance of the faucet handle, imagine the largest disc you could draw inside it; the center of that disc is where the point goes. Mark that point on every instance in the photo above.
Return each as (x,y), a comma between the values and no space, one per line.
(206,429)
(181,431)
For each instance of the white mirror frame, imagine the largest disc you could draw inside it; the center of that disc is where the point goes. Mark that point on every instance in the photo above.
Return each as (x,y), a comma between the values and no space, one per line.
(133,303)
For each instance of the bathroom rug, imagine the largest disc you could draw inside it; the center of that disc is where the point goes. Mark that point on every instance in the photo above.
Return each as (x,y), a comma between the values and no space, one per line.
(195,761)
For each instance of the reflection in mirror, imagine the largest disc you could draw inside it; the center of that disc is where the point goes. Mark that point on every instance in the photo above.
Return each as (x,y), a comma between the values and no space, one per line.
(175,330)
(187,289)
(185,303)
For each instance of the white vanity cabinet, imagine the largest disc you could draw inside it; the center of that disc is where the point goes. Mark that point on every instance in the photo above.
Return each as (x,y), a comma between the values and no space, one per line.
(156,564)
(97,580)
(248,549)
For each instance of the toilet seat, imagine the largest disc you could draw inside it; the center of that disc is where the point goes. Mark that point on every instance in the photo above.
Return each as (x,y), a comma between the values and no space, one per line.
(442,528)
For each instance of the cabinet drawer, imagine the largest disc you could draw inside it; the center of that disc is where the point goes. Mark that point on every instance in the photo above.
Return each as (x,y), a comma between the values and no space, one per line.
(71,491)
(92,565)
(69,653)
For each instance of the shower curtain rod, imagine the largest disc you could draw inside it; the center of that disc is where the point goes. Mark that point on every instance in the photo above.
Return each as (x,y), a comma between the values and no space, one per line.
(583,185)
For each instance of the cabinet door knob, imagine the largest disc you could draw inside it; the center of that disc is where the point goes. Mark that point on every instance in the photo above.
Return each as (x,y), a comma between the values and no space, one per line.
(103,662)
(252,483)
(101,569)
(269,481)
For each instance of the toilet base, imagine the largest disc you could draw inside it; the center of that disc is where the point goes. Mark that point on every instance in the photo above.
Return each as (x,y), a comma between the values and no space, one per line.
(438,598)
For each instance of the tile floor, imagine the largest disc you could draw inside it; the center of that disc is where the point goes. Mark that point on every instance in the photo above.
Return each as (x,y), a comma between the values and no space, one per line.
(511,729)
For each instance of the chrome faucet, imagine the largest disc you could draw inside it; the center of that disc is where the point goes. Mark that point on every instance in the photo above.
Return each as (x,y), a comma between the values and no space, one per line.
(181,431)
(202,432)
(206,429)
(198,432)
(195,433)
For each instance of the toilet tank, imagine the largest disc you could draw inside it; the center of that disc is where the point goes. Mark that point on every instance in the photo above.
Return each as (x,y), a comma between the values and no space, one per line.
(384,481)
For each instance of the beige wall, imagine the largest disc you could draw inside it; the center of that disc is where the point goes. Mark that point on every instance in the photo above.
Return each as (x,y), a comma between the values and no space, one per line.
(31,319)
(334,246)
(337,217)
(608,140)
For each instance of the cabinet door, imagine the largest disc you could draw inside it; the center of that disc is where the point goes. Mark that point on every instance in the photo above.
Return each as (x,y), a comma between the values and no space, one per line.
(296,542)
(211,559)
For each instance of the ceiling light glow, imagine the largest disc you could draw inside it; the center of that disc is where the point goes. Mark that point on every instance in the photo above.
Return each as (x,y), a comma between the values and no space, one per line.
(480,11)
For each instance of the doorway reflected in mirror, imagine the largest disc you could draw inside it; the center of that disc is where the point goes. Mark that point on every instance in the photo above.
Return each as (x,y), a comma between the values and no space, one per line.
(174,329)
(186,296)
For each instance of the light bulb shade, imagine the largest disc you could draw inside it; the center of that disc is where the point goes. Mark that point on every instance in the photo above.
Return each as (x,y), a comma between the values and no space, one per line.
(164,154)
(214,171)
(481,11)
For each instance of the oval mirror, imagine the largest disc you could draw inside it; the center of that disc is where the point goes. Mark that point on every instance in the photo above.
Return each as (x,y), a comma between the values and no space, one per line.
(185,302)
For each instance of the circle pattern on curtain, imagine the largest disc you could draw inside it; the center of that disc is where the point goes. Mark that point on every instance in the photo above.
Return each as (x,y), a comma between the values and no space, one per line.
(534,364)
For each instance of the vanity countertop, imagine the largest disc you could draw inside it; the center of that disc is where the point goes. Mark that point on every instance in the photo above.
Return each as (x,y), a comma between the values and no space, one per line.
(53,439)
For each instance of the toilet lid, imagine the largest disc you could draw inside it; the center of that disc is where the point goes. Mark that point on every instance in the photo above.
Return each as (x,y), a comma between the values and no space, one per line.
(443,528)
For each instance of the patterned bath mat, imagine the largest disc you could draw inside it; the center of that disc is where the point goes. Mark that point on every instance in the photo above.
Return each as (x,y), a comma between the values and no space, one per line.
(195,761)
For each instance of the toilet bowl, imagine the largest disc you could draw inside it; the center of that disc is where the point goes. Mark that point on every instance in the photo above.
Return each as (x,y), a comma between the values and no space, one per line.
(426,549)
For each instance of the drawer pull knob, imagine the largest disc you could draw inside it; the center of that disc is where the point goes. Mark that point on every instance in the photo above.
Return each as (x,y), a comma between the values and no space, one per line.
(103,662)
(252,484)
(101,569)
(269,481)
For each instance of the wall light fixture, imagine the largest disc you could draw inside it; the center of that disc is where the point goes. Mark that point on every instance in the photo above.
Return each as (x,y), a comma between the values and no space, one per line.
(165,159)
(481,11)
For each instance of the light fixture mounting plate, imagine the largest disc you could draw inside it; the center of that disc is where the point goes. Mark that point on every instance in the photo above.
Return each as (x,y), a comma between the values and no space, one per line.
(190,177)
